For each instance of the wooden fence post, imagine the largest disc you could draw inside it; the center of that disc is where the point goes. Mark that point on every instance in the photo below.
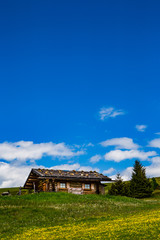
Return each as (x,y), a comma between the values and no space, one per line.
(34,187)
(19,191)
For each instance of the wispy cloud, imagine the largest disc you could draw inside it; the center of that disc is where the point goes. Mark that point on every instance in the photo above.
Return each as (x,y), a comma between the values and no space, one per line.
(121,143)
(109,171)
(110,112)
(90,144)
(96,158)
(119,155)
(141,128)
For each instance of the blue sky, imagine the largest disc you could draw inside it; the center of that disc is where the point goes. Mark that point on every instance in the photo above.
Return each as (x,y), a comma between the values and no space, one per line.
(75,74)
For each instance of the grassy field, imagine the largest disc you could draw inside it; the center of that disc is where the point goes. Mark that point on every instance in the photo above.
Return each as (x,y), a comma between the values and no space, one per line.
(67,216)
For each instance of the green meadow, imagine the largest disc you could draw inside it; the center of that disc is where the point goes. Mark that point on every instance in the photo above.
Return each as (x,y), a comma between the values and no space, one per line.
(68,216)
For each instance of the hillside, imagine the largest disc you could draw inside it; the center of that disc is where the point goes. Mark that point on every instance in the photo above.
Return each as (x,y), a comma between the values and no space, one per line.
(158,180)
(67,216)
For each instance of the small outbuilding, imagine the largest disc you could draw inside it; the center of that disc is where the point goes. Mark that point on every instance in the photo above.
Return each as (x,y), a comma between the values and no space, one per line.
(78,182)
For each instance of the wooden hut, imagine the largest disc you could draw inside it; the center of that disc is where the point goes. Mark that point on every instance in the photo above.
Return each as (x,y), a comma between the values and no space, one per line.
(78,182)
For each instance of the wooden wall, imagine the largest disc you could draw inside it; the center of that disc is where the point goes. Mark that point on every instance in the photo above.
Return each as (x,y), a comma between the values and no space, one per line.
(73,187)
(79,188)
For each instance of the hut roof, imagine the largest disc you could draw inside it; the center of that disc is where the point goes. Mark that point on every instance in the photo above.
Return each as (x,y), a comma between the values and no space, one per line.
(65,175)
(70,174)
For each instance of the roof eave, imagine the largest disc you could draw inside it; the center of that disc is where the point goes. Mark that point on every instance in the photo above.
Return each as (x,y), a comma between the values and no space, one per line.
(75,178)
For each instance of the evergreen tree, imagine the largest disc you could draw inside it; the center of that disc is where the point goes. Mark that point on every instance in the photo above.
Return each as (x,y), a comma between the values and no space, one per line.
(117,188)
(127,191)
(140,185)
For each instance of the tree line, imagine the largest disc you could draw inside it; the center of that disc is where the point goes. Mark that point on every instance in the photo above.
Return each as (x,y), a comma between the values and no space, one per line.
(138,187)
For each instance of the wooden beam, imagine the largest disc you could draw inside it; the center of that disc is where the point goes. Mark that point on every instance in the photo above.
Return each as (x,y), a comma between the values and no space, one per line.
(32,179)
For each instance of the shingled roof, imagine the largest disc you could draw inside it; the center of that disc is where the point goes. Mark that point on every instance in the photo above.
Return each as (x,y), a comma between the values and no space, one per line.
(70,174)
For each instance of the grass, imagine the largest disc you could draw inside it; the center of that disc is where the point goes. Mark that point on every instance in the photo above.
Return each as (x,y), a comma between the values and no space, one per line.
(131,227)
(68,216)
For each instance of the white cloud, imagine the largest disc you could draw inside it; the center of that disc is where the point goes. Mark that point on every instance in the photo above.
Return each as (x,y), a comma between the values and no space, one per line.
(13,176)
(110,112)
(155,143)
(27,150)
(68,167)
(109,171)
(157,133)
(156,160)
(141,128)
(122,143)
(154,169)
(119,155)
(88,168)
(95,158)
(75,166)
(127,173)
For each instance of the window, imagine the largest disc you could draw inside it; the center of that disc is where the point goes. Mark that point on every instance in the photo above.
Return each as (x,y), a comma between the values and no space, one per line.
(62,185)
(87,186)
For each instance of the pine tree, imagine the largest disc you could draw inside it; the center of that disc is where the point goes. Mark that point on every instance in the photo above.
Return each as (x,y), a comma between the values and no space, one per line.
(117,188)
(140,185)
(127,191)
